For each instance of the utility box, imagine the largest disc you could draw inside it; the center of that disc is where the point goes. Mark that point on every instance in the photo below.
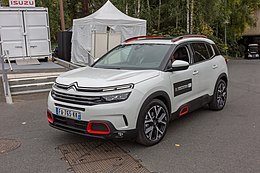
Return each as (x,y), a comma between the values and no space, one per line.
(25,32)
(64,45)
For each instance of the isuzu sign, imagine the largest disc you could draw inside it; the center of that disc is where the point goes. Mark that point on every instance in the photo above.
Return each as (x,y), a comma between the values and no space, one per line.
(22,3)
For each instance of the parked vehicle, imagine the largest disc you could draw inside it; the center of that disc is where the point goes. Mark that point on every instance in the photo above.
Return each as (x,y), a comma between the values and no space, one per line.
(253,51)
(134,90)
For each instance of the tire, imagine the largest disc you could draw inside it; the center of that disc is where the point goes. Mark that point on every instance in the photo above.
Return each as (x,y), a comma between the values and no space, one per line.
(219,99)
(152,123)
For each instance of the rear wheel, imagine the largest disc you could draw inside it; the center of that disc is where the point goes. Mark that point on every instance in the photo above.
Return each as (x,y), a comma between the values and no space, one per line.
(152,123)
(220,96)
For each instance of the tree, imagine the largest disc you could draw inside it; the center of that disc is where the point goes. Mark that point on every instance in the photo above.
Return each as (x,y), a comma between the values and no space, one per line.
(167,17)
(85,9)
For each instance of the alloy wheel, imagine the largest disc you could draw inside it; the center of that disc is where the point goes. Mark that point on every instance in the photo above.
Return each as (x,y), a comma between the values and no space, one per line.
(221,95)
(155,123)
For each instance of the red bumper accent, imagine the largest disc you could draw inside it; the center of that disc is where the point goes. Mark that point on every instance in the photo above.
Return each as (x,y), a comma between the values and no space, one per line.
(49,116)
(104,131)
(184,111)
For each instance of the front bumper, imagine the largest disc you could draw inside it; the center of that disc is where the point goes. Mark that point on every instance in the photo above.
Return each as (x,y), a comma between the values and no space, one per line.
(121,117)
(253,56)
(80,127)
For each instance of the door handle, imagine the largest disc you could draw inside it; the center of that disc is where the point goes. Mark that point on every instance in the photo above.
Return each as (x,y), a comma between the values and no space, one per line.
(195,72)
(215,66)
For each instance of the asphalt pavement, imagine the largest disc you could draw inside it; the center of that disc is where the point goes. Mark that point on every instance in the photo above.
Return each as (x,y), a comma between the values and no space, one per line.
(203,141)
(2,98)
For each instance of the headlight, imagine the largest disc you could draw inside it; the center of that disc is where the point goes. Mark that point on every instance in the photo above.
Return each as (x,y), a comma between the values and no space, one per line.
(116,97)
(119,87)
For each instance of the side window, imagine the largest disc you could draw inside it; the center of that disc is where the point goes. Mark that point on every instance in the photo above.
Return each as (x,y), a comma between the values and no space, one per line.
(181,53)
(216,50)
(211,53)
(200,52)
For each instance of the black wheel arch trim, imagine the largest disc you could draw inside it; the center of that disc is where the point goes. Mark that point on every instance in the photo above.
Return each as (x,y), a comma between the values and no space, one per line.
(161,95)
(221,76)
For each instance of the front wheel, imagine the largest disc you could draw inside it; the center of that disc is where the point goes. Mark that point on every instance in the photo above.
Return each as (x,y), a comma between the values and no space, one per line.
(220,96)
(152,123)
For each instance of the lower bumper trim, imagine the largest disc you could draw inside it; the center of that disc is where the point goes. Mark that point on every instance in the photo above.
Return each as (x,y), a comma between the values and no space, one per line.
(80,127)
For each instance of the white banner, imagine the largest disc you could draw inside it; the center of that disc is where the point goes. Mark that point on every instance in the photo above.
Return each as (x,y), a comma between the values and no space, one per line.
(22,3)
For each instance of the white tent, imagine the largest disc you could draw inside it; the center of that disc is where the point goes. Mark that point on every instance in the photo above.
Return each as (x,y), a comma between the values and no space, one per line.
(108,19)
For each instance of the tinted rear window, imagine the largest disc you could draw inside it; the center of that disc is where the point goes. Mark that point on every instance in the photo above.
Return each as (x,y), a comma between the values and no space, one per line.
(211,53)
(216,50)
(200,52)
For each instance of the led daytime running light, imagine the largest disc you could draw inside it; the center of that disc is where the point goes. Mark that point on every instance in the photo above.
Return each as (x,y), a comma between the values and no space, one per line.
(116,97)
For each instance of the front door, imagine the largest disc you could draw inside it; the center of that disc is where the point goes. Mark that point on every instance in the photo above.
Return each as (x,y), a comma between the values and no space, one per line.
(184,83)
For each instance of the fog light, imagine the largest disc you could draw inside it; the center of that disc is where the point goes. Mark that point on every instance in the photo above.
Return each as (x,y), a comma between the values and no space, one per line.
(49,116)
(98,128)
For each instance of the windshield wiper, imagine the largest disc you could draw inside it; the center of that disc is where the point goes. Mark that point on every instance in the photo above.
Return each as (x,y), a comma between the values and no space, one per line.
(117,68)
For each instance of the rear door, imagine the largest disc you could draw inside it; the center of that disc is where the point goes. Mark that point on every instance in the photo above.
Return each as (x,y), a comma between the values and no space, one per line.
(205,67)
(37,33)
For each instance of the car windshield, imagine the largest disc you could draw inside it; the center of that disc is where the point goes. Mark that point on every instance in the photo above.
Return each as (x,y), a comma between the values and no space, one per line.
(135,56)
(253,49)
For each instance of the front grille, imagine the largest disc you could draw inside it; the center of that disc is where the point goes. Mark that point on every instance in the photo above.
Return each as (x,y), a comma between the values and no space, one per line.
(75,85)
(70,124)
(93,89)
(77,99)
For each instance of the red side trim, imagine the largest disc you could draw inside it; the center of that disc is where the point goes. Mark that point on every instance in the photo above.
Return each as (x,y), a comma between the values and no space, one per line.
(142,37)
(184,111)
(89,129)
(49,116)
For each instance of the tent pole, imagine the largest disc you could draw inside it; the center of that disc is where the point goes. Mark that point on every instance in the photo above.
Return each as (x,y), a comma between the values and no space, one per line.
(107,41)
(95,43)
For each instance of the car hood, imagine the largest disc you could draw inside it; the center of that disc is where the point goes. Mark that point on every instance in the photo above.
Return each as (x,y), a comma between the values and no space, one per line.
(98,77)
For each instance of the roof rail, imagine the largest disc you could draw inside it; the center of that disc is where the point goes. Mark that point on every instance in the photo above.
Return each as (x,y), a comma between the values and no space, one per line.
(188,36)
(142,38)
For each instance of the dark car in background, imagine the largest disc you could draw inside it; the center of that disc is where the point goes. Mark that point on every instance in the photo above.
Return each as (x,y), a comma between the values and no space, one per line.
(252,51)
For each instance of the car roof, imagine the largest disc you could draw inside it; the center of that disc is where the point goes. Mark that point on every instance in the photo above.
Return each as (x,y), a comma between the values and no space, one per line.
(253,45)
(167,40)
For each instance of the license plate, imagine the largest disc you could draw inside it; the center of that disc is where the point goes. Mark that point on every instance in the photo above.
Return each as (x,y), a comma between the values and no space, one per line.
(68,113)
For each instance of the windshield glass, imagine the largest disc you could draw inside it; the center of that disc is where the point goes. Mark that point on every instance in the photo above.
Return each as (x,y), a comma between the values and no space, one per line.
(136,56)
(253,49)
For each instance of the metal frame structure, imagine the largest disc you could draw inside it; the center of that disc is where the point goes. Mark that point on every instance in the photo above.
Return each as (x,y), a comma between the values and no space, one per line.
(7,92)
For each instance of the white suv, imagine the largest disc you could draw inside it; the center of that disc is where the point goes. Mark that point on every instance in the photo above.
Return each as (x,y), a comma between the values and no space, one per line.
(134,90)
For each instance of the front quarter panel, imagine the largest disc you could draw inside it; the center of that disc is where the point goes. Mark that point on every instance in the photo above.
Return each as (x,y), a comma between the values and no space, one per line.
(160,83)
